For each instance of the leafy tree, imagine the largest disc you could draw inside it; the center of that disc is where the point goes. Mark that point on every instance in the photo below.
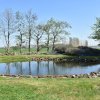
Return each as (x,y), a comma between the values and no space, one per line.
(96,30)
(58,29)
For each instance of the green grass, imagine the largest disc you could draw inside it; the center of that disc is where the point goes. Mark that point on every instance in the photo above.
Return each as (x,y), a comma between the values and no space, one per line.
(24,50)
(49,89)
(17,58)
(21,58)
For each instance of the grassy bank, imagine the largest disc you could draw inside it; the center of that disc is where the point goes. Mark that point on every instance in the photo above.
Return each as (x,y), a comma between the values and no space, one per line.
(21,58)
(49,89)
(18,58)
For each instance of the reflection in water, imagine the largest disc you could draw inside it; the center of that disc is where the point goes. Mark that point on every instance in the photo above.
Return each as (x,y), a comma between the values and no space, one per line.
(8,68)
(38,67)
(54,68)
(21,70)
(47,68)
(29,68)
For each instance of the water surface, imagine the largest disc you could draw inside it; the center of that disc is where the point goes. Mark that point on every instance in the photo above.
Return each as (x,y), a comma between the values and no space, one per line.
(47,68)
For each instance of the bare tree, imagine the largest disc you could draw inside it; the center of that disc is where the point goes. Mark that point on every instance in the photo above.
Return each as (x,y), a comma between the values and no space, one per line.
(7,26)
(47,30)
(20,26)
(38,35)
(57,30)
(30,22)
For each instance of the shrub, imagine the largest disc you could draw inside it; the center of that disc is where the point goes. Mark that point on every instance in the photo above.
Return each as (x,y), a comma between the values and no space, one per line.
(59,48)
(79,51)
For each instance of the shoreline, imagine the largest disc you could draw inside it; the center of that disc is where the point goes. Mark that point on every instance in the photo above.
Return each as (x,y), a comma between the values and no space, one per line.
(90,75)
(57,58)
(70,59)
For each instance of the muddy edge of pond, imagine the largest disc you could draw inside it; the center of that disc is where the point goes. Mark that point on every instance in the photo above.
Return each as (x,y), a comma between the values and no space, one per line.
(91,75)
(69,59)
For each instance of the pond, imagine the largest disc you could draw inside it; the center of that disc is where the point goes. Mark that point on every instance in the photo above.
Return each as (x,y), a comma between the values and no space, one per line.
(47,68)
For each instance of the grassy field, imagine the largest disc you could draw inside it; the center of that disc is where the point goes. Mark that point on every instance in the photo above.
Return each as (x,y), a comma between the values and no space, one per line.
(24,50)
(49,89)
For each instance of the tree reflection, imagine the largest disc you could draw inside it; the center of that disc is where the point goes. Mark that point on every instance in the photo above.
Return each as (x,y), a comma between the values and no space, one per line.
(30,68)
(38,67)
(21,70)
(8,68)
(48,67)
(54,68)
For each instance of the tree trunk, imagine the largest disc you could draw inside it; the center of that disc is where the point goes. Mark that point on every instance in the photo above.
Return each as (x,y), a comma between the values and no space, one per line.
(37,46)
(8,43)
(29,45)
(48,44)
(53,46)
(21,44)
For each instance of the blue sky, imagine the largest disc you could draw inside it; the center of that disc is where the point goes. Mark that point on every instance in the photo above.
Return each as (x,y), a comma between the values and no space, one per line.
(80,14)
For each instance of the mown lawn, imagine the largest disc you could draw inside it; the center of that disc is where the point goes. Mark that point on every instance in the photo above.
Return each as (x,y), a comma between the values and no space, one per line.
(49,89)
